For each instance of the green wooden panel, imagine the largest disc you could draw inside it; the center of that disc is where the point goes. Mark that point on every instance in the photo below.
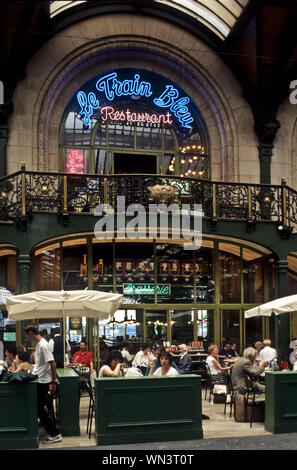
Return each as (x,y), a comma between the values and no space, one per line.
(281,403)
(148,409)
(68,402)
(18,416)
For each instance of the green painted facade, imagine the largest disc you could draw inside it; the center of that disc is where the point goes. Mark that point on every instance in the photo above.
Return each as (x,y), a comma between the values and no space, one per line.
(68,402)
(280,403)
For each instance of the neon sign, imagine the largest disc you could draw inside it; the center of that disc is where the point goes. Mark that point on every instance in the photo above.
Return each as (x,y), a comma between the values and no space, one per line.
(108,113)
(75,162)
(112,88)
(146,289)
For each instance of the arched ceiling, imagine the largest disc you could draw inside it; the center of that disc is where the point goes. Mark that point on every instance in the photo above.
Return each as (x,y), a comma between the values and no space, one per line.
(217,15)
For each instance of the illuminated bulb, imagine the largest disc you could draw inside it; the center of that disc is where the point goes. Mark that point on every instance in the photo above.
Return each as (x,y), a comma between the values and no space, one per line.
(181,175)
(183,161)
(195,157)
(190,161)
(188,147)
(199,146)
(194,173)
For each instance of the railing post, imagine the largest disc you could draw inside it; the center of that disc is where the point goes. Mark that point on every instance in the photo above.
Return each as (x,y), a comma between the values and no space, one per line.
(23,189)
(64,193)
(284,202)
(249,203)
(214,200)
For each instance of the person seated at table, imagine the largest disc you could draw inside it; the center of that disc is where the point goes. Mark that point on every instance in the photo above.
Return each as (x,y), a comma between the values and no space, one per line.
(114,366)
(156,350)
(126,354)
(85,360)
(10,353)
(227,351)
(244,366)
(185,361)
(258,347)
(215,368)
(142,358)
(22,362)
(165,360)
(234,348)
(268,353)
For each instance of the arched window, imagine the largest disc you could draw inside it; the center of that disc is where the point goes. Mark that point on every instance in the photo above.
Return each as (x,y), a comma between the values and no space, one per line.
(106,129)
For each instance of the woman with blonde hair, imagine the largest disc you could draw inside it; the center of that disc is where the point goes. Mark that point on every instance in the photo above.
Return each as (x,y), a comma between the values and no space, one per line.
(215,368)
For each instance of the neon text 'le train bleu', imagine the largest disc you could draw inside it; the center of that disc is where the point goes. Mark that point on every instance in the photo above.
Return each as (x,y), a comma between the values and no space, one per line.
(112,88)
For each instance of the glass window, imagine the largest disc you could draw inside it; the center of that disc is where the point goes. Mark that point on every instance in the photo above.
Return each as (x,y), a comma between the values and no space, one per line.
(120,136)
(229,270)
(253,331)
(74,131)
(7,275)
(102,267)
(134,271)
(75,271)
(148,137)
(182,327)
(231,326)
(205,327)
(48,270)
(205,285)
(253,276)
(156,325)
(174,274)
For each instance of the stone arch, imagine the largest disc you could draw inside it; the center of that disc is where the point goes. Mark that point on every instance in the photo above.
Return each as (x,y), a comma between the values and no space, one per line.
(69,59)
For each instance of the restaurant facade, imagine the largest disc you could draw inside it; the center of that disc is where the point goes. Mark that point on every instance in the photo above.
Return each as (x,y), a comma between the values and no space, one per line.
(152,105)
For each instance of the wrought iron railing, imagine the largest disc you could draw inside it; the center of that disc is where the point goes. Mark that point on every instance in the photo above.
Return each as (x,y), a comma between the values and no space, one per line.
(26,193)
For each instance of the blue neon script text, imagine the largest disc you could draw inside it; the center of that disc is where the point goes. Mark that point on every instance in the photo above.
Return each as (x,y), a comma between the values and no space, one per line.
(112,88)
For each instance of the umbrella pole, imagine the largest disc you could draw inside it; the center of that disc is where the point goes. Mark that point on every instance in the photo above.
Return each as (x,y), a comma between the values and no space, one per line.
(64,337)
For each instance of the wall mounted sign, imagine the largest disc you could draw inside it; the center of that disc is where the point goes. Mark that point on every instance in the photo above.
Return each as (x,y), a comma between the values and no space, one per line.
(104,95)
(75,323)
(146,289)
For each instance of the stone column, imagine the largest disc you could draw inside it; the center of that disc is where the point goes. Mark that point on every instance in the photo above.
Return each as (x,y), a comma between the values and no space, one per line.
(24,267)
(266,129)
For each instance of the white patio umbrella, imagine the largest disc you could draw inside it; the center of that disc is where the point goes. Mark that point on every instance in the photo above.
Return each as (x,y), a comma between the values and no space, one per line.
(278,306)
(62,304)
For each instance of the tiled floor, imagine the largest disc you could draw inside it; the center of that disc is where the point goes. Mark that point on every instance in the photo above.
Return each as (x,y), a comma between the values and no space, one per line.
(218,426)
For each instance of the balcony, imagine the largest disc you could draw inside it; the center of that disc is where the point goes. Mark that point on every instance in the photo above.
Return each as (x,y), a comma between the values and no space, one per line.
(26,193)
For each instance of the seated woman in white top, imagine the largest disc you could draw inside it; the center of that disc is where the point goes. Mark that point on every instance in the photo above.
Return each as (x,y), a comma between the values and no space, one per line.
(114,366)
(268,353)
(22,362)
(216,370)
(165,360)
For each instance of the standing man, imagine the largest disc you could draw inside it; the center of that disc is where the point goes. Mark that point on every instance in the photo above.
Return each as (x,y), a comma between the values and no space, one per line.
(56,345)
(45,368)
(185,362)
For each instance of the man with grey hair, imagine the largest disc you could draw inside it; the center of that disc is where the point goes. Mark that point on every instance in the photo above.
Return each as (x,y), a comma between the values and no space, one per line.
(185,362)
(245,365)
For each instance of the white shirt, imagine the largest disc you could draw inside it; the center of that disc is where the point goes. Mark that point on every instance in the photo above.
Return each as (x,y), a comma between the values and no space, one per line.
(172,371)
(101,371)
(43,356)
(213,369)
(267,354)
(293,343)
(140,360)
(126,355)
(295,366)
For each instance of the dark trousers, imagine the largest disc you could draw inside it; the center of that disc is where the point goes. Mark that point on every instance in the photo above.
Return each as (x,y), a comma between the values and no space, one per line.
(46,410)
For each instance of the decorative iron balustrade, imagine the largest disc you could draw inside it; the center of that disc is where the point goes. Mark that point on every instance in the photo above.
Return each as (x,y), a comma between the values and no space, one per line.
(26,193)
